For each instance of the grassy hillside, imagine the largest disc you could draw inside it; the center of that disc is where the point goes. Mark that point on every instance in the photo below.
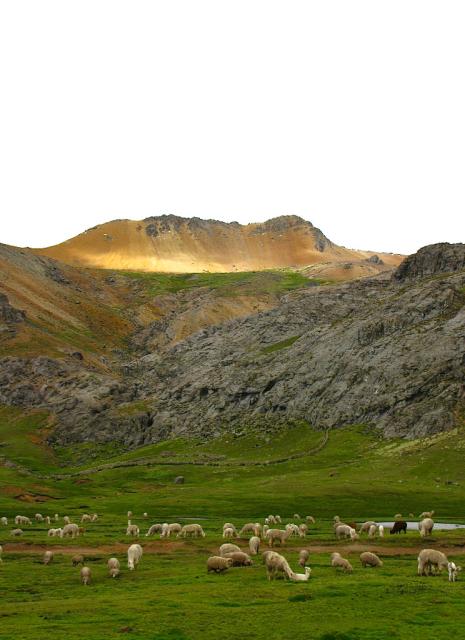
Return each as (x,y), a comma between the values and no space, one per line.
(379,477)
(225,284)
(355,474)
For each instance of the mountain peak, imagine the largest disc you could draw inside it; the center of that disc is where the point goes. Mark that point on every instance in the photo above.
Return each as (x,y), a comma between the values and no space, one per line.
(171,243)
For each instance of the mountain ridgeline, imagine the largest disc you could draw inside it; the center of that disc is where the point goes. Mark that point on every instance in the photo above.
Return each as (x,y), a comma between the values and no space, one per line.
(140,357)
(172,244)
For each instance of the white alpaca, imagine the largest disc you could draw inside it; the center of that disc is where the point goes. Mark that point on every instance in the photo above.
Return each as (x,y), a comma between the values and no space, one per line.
(302,577)
(453,569)
(113,567)
(134,555)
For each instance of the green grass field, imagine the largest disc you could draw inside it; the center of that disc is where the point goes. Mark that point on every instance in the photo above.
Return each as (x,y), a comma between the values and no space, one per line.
(355,475)
(273,281)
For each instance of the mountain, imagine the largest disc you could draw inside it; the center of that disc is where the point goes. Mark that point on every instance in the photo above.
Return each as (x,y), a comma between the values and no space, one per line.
(141,357)
(191,245)
(53,309)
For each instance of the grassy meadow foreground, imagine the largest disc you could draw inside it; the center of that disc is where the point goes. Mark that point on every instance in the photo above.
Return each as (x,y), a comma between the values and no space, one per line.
(170,595)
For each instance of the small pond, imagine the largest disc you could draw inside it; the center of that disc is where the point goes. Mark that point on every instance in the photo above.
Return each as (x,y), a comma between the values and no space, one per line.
(438,526)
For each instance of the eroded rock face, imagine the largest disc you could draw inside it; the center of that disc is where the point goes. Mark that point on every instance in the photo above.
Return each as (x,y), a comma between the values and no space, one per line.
(385,352)
(375,259)
(84,402)
(9,314)
(159,225)
(367,353)
(432,260)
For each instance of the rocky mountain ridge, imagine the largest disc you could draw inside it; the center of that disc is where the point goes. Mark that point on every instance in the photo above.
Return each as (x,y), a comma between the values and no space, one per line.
(174,244)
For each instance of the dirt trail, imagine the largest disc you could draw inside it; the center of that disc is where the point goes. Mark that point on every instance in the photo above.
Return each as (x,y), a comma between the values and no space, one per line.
(386,551)
(165,547)
(117,547)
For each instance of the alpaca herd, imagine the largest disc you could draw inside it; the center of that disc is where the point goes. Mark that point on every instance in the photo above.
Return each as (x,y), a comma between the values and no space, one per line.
(230,555)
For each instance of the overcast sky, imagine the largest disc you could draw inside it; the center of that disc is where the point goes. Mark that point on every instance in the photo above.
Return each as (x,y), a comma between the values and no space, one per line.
(348,113)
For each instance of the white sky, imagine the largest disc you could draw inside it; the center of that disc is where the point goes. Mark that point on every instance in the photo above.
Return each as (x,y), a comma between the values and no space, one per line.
(349,113)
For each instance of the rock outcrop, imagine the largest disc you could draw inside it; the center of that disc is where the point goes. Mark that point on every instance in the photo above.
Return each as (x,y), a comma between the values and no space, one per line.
(434,259)
(8,314)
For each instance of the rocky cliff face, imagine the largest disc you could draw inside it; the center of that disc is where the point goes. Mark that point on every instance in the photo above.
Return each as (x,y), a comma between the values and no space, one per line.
(367,352)
(432,260)
(387,351)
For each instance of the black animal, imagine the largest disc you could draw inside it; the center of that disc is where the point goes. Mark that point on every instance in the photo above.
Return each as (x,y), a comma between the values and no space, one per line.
(399,525)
